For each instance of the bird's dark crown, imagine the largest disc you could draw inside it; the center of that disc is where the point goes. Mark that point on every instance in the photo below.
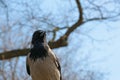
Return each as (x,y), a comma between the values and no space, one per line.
(38,41)
(38,36)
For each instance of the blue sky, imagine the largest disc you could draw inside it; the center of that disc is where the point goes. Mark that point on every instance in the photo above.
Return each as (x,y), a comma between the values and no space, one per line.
(104,45)
(107,56)
(102,39)
(99,42)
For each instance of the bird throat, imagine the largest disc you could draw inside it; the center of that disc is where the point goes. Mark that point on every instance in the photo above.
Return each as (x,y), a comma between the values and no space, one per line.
(38,51)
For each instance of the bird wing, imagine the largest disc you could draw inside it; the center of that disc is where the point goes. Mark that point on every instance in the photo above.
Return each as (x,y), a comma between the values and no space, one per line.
(56,61)
(27,66)
(59,68)
(57,64)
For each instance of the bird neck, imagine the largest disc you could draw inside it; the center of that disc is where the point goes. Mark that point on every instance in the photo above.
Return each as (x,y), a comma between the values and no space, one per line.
(38,51)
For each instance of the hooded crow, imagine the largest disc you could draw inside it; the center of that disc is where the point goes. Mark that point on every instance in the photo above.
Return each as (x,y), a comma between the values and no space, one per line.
(41,62)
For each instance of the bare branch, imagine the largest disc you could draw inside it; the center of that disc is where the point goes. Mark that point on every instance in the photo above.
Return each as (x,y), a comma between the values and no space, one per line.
(61,42)
(102,18)
(54,31)
(79,22)
(3,3)
(98,8)
(23,52)
(13,53)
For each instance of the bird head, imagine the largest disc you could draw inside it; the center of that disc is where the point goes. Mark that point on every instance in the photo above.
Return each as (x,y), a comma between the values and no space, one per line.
(38,36)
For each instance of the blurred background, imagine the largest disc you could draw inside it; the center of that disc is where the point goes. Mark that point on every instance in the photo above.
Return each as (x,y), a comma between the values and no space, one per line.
(84,34)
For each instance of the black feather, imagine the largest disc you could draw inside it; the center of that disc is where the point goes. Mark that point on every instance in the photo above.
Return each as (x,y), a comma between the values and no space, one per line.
(38,42)
(39,36)
(59,68)
(38,51)
(28,69)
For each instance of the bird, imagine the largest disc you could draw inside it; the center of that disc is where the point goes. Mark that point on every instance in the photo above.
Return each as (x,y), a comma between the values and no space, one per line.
(41,62)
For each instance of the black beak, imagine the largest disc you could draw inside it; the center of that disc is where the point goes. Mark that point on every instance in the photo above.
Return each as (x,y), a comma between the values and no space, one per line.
(43,33)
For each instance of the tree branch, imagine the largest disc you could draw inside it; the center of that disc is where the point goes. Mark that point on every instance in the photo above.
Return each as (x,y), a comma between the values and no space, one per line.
(23,52)
(61,42)
(101,18)
(13,53)
(79,22)
(1,1)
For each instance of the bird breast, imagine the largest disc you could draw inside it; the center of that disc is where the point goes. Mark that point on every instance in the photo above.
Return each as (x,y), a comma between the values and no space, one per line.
(44,69)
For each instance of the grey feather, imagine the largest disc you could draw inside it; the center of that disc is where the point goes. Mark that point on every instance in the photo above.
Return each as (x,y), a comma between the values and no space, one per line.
(41,63)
